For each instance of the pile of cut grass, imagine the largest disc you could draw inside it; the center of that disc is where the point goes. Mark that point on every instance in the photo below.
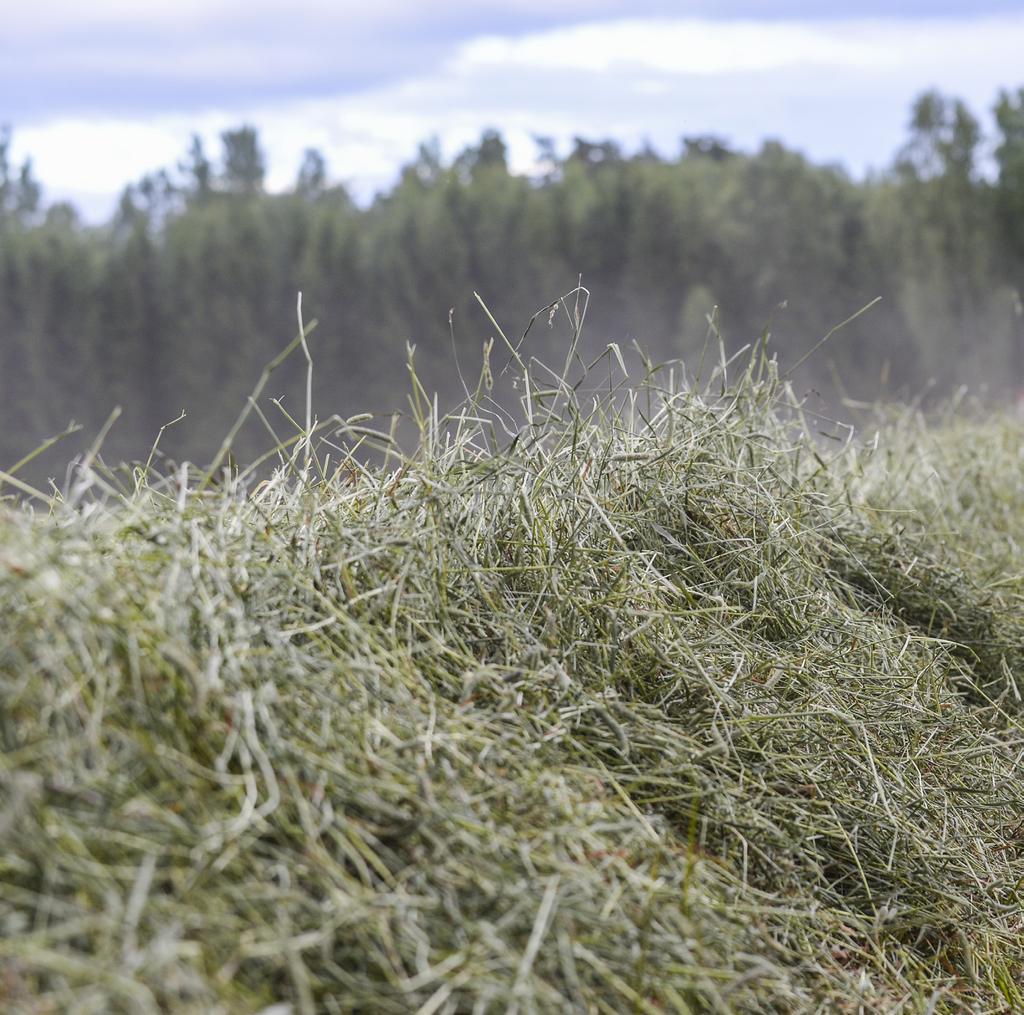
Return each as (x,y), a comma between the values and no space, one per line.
(646,701)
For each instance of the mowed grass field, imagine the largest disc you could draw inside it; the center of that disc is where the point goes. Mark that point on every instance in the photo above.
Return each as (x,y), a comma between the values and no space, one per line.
(644,698)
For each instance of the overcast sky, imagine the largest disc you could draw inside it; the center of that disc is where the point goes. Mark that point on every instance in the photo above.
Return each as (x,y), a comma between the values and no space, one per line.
(100,93)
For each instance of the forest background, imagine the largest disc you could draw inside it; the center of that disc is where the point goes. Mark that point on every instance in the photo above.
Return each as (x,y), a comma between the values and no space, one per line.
(180,300)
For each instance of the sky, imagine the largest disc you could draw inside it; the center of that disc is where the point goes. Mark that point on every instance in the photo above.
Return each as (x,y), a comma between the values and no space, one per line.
(98,94)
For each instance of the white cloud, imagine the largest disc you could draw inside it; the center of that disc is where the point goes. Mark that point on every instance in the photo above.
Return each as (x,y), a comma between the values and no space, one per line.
(674,47)
(692,46)
(90,155)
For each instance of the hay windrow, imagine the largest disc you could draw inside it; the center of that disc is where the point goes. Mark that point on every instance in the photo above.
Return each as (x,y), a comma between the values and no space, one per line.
(652,706)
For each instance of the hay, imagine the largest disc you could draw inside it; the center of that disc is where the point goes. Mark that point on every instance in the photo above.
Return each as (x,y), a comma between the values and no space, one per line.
(647,706)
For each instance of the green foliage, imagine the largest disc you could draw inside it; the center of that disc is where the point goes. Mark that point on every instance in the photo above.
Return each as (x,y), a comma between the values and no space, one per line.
(1009,154)
(19,192)
(244,163)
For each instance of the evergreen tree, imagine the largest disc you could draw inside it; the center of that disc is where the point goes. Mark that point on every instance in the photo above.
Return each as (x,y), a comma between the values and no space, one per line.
(244,164)
(312,180)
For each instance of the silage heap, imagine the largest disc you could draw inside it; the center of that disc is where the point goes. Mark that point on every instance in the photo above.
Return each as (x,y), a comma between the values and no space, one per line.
(659,705)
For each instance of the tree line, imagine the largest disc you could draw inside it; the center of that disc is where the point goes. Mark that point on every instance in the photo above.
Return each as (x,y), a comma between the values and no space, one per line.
(181,298)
